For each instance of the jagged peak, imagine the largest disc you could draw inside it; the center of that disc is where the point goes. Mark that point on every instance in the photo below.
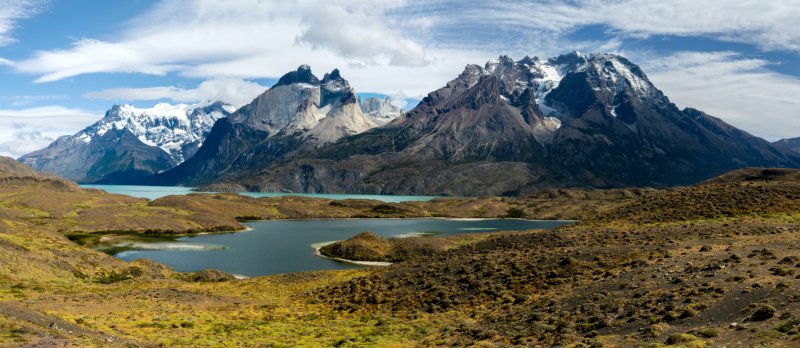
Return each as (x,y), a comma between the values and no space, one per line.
(471,69)
(303,74)
(528,61)
(211,107)
(500,64)
(578,58)
(334,82)
(333,75)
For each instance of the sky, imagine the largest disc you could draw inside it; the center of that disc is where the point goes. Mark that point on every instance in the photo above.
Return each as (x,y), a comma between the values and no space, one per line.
(63,63)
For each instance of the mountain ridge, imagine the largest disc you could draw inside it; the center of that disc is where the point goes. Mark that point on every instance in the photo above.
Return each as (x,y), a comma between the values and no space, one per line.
(792,145)
(576,120)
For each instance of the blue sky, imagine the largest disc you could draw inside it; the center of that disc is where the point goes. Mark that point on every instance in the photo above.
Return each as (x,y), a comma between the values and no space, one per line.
(64,62)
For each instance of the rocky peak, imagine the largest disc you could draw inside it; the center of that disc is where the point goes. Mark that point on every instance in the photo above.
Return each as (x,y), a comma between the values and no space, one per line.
(570,60)
(608,81)
(215,110)
(306,109)
(527,61)
(499,65)
(334,82)
(380,111)
(303,74)
(335,90)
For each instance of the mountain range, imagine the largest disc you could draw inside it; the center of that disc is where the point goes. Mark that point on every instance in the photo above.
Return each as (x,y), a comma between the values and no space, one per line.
(129,143)
(511,127)
(505,128)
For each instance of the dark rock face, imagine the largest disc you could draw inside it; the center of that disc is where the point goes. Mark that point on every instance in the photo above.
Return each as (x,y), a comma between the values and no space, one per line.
(301,75)
(230,150)
(512,127)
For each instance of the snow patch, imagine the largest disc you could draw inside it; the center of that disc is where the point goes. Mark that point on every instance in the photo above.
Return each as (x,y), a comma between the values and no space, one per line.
(86,138)
(169,127)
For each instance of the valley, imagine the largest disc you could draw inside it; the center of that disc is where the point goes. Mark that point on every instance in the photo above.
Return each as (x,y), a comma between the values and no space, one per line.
(697,265)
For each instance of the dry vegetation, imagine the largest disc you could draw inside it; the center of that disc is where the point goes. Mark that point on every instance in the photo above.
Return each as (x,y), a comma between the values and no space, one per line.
(367,246)
(706,265)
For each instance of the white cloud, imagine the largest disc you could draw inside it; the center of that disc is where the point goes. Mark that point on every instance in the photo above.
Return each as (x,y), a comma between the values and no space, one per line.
(10,12)
(234,91)
(360,33)
(26,100)
(26,130)
(770,25)
(738,90)
(258,39)
(402,100)
(389,43)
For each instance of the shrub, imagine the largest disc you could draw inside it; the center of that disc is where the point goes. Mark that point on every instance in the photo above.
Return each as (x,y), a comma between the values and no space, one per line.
(763,312)
(515,213)
(680,338)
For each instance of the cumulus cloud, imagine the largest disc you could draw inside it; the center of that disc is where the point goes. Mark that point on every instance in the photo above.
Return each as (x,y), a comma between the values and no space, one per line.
(739,90)
(26,130)
(360,33)
(234,91)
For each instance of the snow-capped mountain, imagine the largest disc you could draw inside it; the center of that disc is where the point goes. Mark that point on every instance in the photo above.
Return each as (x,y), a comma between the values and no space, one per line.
(381,111)
(179,129)
(135,141)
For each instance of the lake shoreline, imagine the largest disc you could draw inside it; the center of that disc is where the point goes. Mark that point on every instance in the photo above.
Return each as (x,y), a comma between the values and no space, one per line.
(156,192)
(286,246)
(94,240)
(317,251)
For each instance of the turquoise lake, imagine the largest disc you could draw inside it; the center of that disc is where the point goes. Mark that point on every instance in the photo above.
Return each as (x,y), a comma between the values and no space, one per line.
(154,192)
(275,247)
